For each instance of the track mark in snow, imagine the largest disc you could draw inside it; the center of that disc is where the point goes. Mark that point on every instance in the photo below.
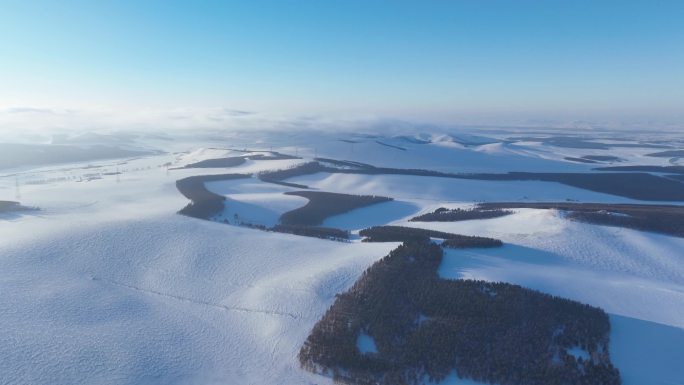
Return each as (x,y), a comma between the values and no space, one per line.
(195,301)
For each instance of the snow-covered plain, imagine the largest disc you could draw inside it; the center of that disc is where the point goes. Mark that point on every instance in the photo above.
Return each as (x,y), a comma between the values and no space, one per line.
(107,285)
(123,290)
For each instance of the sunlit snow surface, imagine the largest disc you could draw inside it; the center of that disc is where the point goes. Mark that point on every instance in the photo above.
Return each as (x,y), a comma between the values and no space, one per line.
(255,202)
(107,285)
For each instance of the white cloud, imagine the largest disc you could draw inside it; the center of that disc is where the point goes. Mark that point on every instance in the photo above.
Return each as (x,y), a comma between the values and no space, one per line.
(40,123)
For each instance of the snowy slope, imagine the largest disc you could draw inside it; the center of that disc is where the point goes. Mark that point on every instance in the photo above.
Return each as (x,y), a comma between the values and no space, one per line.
(452,190)
(255,202)
(107,285)
(636,277)
(165,300)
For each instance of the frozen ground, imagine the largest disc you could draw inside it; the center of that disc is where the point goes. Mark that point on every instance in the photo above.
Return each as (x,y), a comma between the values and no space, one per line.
(255,202)
(442,190)
(636,277)
(107,285)
(166,300)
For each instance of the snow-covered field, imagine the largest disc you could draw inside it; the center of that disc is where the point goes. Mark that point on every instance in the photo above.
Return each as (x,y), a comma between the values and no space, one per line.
(107,285)
(255,202)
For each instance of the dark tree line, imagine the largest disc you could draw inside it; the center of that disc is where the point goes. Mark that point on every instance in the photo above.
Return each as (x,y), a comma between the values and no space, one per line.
(443,214)
(635,185)
(594,159)
(322,205)
(458,241)
(413,139)
(603,158)
(580,160)
(329,233)
(204,204)
(670,169)
(665,219)
(667,154)
(312,231)
(424,326)
(409,234)
(298,170)
(234,161)
(10,206)
(345,167)
(272,156)
(390,145)
(344,163)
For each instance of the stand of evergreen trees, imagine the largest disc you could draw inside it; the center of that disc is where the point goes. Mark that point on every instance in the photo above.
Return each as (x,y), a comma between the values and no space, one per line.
(11,206)
(233,161)
(443,214)
(204,204)
(322,205)
(635,185)
(303,221)
(312,231)
(6,206)
(344,163)
(299,170)
(665,219)
(424,327)
(408,234)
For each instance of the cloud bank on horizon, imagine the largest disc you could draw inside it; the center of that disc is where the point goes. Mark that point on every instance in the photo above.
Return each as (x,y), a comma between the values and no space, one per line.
(42,125)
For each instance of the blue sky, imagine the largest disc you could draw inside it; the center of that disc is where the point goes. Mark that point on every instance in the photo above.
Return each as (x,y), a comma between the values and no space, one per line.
(388,58)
